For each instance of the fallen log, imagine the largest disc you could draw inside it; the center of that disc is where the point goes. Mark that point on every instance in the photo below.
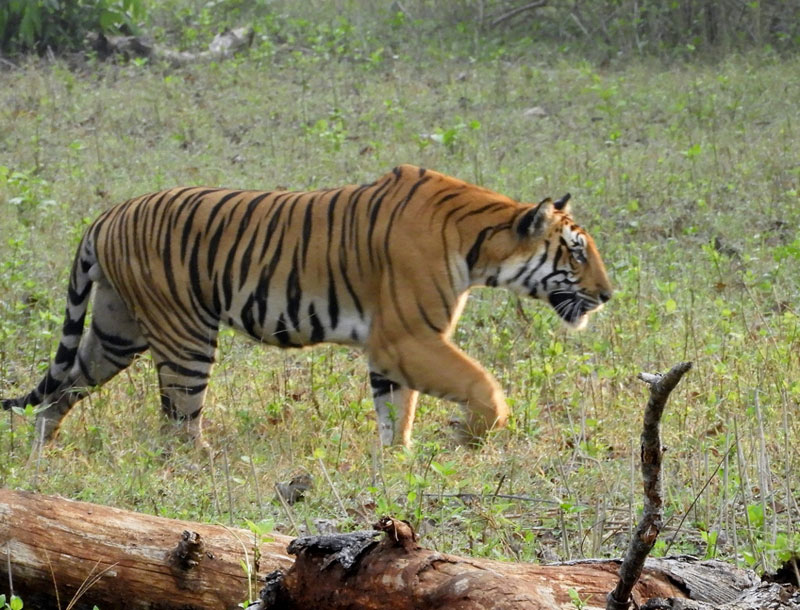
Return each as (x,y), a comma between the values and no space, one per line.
(350,571)
(224,46)
(53,548)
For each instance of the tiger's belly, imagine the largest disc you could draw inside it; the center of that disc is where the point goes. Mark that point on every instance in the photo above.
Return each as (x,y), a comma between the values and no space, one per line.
(308,323)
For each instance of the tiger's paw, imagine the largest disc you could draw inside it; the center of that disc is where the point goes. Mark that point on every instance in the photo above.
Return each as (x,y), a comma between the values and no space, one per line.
(463,433)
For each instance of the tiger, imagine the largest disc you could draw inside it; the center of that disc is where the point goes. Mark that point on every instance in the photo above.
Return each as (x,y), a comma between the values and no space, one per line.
(385,266)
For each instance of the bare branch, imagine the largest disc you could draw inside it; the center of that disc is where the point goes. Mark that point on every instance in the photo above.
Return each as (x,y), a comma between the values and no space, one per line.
(652,452)
(514,12)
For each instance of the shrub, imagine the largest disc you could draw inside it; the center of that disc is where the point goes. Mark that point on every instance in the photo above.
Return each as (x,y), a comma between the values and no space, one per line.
(60,25)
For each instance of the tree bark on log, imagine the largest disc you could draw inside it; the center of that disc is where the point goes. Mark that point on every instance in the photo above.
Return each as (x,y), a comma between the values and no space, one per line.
(332,574)
(54,547)
(142,561)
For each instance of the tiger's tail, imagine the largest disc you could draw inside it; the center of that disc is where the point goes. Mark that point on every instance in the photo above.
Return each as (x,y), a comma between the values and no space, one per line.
(56,381)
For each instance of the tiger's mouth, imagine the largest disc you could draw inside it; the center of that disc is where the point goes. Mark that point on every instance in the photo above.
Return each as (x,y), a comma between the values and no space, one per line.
(573,308)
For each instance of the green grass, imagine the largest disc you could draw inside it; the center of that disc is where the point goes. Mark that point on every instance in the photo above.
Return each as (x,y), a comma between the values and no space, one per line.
(687,176)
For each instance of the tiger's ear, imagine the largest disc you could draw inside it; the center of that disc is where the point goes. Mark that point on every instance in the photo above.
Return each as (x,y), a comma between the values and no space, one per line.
(562,203)
(531,222)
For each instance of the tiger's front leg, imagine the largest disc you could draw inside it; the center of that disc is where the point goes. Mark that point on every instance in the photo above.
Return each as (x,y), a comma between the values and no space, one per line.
(434,366)
(395,406)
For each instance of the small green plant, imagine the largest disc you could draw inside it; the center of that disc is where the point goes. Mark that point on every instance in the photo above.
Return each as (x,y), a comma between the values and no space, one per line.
(27,192)
(452,138)
(261,534)
(14,603)
(331,132)
(710,538)
(576,599)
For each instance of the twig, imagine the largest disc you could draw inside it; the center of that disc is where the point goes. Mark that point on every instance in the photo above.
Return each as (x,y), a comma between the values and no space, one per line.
(8,568)
(228,483)
(88,582)
(696,498)
(651,450)
(52,575)
(333,487)
(514,12)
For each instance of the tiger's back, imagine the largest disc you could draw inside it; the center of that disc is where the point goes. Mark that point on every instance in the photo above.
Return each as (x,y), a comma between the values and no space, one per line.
(385,265)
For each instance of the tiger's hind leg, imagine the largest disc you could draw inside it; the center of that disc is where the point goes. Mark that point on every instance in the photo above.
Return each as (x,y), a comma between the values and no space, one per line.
(395,406)
(107,347)
(183,380)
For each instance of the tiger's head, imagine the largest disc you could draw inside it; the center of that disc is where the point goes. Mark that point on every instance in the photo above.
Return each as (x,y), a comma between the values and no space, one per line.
(547,256)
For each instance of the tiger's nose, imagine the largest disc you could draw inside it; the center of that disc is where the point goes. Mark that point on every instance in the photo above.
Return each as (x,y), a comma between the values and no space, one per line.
(604,296)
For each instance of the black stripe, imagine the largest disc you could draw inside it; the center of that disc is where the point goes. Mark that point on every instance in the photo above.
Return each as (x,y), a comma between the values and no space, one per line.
(247,257)
(262,290)
(281,332)
(190,390)
(474,251)
(219,205)
(525,221)
(47,385)
(77,298)
(183,370)
(317,330)
(195,281)
(227,274)
(447,198)
(381,385)
(293,293)
(168,407)
(125,352)
(188,223)
(246,315)
(108,338)
(333,299)
(397,210)
(156,206)
(73,327)
(485,208)
(213,246)
(90,380)
(349,287)
(65,355)
(373,219)
(216,302)
(445,300)
(227,278)
(427,320)
(307,223)
(331,211)
(260,297)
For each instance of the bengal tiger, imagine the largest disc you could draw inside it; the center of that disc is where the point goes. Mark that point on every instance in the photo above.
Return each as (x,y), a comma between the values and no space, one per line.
(386,266)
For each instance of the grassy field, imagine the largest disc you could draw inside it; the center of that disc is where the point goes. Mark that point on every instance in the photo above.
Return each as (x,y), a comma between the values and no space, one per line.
(687,175)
